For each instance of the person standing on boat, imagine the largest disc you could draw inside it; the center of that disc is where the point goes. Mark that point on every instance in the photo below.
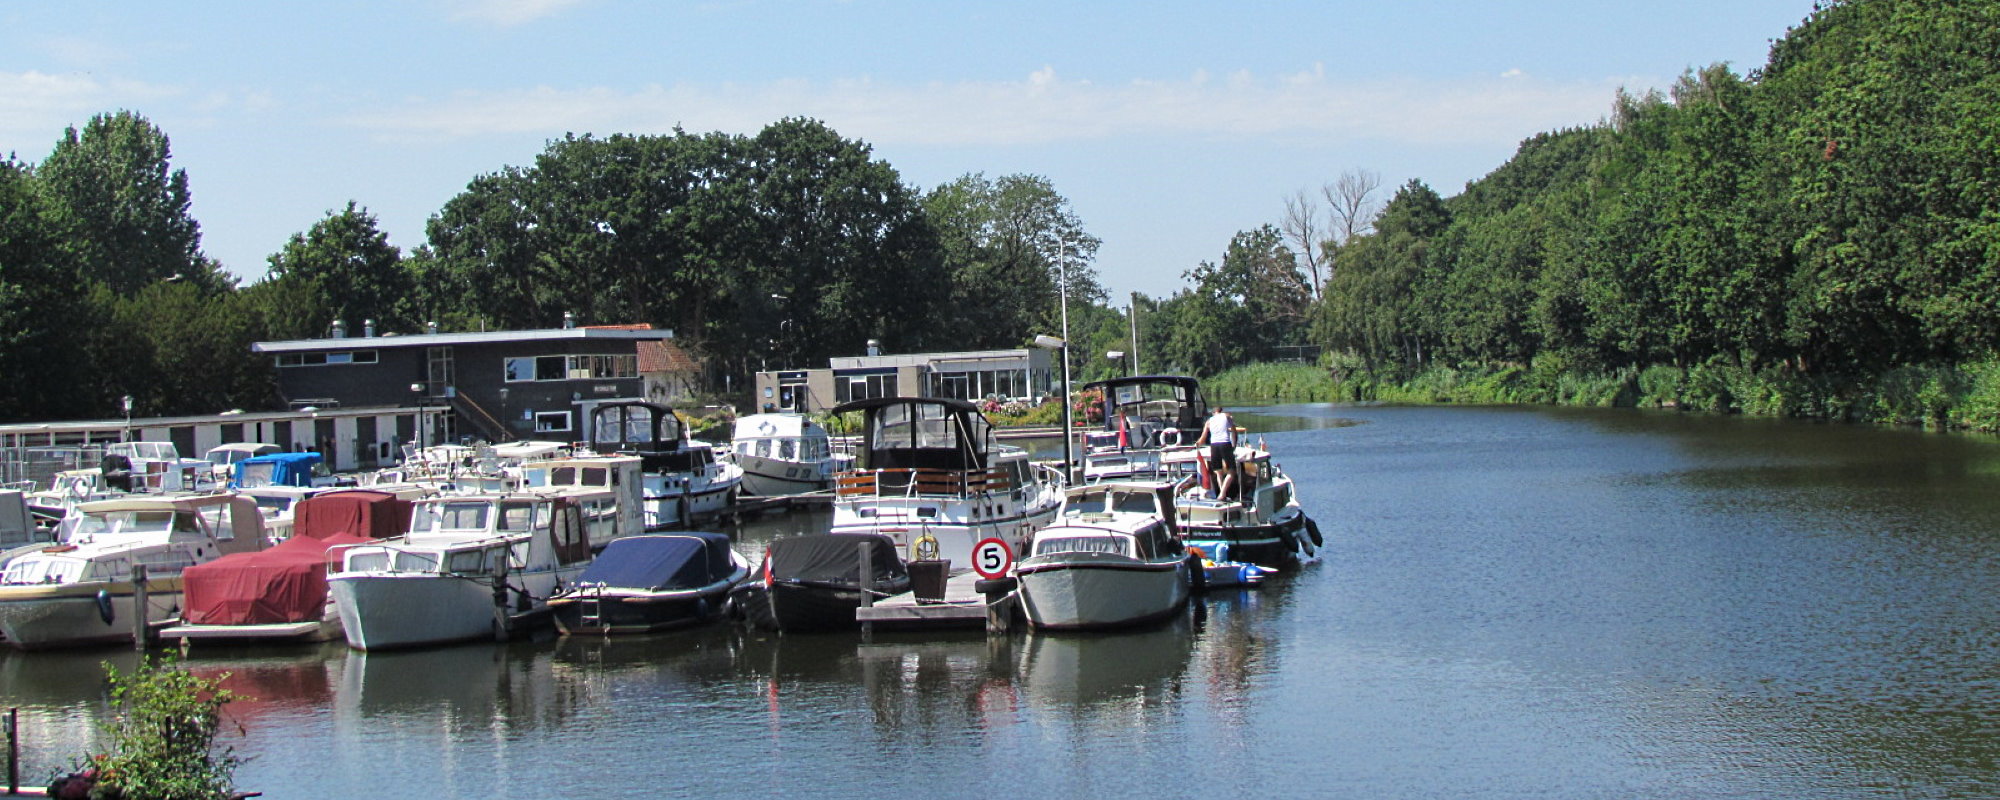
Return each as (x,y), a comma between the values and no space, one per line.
(1220,434)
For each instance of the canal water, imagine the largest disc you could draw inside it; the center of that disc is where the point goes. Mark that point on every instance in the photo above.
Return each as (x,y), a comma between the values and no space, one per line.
(1513,602)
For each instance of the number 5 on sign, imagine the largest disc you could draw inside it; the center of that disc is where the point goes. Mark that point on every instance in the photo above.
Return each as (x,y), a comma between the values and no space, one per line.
(992,558)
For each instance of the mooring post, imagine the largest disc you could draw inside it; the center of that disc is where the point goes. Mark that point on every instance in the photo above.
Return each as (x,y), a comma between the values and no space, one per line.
(141,631)
(502,627)
(13,751)
(867,585)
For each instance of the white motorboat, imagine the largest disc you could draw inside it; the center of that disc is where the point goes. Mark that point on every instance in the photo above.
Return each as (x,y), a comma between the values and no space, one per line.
(783,454)
(610,489)
(684,480)
(471,567)
(929,471)
(81,591)
(1112,558)
(1151,425)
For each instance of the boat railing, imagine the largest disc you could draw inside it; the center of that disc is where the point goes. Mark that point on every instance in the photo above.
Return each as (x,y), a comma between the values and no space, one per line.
(921,482)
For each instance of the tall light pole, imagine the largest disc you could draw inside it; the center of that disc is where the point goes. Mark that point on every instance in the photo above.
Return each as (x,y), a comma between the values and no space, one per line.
(417,389)
(126,403)
(1132,313)
(1053,343)
(1062,290)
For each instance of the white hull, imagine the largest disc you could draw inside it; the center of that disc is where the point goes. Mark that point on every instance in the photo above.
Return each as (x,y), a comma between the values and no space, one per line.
(1101,594)
(68,615)
(664,511)
(771,477)
(387,610)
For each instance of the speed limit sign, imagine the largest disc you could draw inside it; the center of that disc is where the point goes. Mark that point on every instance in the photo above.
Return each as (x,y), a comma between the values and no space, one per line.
(992,558)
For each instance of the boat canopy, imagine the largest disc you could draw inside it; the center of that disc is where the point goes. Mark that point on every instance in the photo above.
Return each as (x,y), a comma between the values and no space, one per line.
(635,427)
(921,433)
(358,512)
(275,469)
(1157,401)
(834,559)
(768,426)
(228,454)
(661,562)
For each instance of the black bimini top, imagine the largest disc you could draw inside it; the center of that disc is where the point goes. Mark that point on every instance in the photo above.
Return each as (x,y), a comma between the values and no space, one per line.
(921,433)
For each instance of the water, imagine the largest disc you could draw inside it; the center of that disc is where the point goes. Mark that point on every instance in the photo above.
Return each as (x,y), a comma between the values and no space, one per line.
(1514,603)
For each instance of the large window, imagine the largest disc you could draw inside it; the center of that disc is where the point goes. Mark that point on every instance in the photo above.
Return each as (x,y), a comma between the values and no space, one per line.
(561,368)
(551,421)
(863,387)
(317,359)
(1006,384)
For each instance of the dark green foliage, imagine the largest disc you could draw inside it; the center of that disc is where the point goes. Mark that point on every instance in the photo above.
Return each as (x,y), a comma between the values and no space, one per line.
(162,744)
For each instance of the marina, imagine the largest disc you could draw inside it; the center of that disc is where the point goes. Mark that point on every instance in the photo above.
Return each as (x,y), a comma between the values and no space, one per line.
(1510,602)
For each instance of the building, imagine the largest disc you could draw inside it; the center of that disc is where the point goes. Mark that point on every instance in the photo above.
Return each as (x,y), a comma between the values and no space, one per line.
(1023,374)
(489,385)
(351,438)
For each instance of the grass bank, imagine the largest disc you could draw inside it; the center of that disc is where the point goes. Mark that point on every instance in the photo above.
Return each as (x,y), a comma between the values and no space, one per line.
(1962,397)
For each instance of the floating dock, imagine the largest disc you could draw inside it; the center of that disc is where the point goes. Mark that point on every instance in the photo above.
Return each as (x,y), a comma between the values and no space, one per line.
(962,608)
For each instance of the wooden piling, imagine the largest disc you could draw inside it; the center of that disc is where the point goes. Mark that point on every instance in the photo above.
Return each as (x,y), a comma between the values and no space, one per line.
(142,632)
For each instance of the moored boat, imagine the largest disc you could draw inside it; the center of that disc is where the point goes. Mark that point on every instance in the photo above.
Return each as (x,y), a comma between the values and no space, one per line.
(81,591)
(684,481)
(1111,559)
(280,594)
(783,454)
(651,582)
(929,471)
(813,582)
(471,567)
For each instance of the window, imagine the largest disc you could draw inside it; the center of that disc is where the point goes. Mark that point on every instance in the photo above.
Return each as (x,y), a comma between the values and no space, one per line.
(863,387)
(551,421)
(317,359)
(564,368)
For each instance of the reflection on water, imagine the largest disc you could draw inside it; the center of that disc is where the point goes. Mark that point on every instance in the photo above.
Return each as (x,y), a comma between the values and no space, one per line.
(1513,603)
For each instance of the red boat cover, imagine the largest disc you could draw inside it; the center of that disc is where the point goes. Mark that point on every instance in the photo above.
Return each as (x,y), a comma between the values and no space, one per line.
(287,582)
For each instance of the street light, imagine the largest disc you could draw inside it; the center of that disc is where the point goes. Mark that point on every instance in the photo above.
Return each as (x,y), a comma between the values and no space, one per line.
(417,389)
(126,402)
(1069,426)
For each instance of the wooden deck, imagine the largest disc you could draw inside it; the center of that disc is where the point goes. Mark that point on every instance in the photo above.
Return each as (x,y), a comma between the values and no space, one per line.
(962,608)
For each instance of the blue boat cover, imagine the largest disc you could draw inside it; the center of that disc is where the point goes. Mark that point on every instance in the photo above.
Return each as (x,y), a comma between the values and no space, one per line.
(276,469)
(661,562)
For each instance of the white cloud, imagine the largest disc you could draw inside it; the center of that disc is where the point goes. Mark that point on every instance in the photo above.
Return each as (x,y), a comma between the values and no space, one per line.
(1039,108)
(35,106)
(507,13)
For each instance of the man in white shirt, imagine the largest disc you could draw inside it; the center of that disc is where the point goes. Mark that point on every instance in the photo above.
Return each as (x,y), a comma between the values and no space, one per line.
(1220,434)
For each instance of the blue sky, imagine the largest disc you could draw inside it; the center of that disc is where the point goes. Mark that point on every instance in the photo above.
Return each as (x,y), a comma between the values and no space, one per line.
(1170,126)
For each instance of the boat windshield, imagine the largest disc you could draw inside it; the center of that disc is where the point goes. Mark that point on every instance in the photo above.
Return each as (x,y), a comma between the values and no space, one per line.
(1115,545)
(1104,501)
(129,522)
(31,571)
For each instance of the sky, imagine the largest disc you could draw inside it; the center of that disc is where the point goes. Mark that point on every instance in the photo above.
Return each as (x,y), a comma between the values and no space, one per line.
(1169,126)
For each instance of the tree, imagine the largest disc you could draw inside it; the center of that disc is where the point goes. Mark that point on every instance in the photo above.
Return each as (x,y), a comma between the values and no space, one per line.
(120,212)
(40,306)
(1008,245)
(357,275)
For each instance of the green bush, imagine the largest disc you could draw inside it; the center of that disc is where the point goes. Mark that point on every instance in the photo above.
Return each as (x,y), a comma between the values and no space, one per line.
(163,739)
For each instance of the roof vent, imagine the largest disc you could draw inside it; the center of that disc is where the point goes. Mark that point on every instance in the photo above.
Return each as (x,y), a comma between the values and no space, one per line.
(368,329)
(569,320)
(874,347)
(431,327)
(339,329)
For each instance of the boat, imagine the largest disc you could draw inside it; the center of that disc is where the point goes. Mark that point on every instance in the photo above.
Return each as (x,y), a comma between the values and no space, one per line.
(471,567)
(783,454)
(280,594)
(608,488)
(684,480)
(278,482)
(1112,558)
(153,467)
(651,582)
(812,582)
(222,458)
(928,472)
(1151,424)
(81,591)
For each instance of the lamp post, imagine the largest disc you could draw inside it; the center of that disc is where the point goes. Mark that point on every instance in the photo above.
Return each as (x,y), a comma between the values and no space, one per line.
(1069,426)
(126,403)
(417,390)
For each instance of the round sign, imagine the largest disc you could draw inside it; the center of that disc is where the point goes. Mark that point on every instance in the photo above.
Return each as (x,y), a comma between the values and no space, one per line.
(992,558)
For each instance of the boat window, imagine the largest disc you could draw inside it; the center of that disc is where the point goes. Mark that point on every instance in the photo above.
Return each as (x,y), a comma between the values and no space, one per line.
(1091,503)
(788,449)
(108,569)
(453,516)
(927,512)
(167,562)
(407,561)
(517,516)
(1082,544)
(562,476)
(368,561)
(597,476)
(763,448)
(468,562)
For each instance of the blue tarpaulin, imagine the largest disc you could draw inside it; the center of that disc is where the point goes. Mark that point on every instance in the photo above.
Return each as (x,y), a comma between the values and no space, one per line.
(661,562)
(275,469)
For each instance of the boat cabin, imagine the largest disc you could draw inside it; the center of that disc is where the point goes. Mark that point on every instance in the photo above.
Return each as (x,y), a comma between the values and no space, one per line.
(927,446)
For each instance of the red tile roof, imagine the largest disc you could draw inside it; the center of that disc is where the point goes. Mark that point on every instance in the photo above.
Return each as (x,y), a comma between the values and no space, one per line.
(664,356)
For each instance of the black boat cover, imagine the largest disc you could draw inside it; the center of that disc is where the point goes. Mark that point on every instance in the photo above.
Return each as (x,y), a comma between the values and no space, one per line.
(661,562)
(834,558)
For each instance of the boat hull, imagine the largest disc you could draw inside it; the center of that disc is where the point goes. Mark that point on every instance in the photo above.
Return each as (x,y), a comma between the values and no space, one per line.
(771,477)
(804,607)
(625,611)
(663,511)
(70,615)
(1078,595)
(1280,544)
